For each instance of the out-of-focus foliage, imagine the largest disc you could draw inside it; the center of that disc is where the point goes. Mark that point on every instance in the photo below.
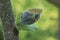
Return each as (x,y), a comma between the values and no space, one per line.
(1,34)
(47,24)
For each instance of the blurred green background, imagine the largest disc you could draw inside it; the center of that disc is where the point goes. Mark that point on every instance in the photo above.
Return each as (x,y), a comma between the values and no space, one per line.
(47,24)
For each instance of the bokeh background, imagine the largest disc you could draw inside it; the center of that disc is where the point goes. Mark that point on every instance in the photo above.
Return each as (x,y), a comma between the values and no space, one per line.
(47,24)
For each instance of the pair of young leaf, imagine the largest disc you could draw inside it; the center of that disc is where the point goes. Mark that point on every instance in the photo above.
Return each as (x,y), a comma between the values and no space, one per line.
(28,18)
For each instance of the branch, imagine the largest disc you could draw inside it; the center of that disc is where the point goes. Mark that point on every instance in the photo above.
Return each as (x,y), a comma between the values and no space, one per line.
(56,2)
(8,20)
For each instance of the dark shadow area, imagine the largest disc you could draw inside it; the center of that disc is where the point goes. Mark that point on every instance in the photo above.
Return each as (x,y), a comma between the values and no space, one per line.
(55,2)
(59,25)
